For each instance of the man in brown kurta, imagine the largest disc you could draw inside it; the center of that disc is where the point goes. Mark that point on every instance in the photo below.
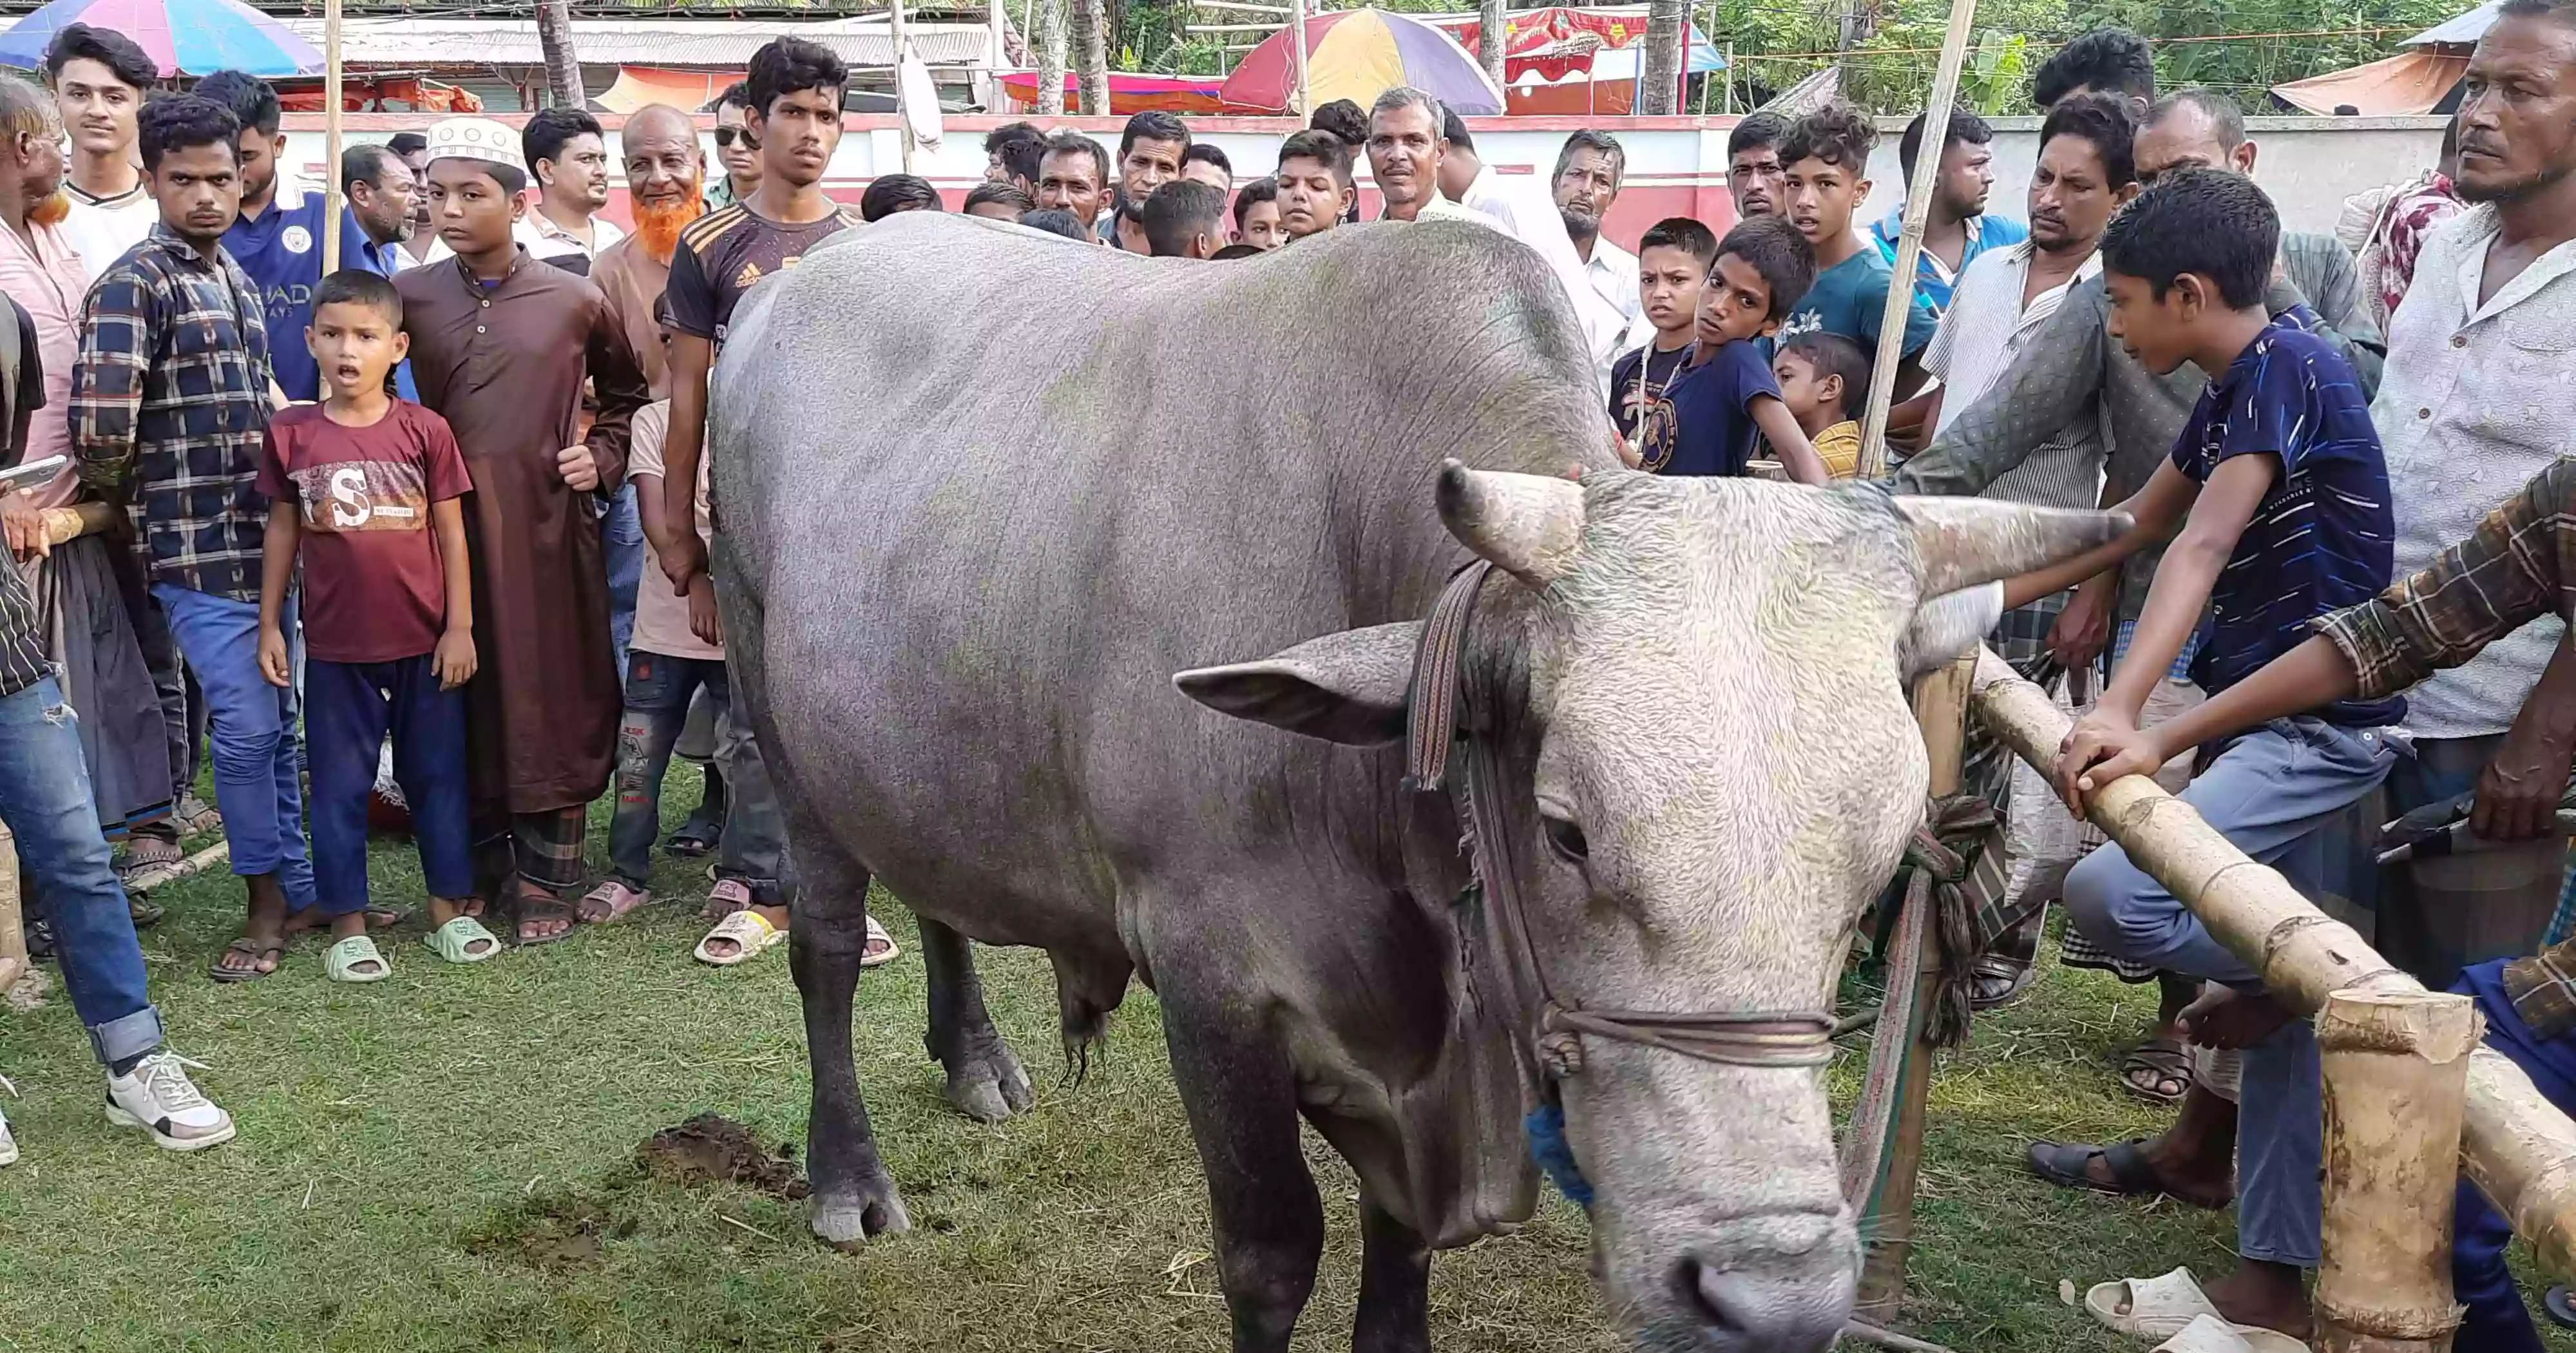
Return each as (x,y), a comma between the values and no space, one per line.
(666,186)
(500,346)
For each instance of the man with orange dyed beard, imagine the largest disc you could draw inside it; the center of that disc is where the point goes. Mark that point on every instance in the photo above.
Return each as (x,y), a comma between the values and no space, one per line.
(665,178)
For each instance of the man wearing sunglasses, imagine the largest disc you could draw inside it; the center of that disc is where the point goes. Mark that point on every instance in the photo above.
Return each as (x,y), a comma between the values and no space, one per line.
(734,148)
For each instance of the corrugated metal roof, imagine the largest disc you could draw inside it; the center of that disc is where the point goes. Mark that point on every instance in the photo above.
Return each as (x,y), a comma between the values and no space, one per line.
(418,42)
(2460,30)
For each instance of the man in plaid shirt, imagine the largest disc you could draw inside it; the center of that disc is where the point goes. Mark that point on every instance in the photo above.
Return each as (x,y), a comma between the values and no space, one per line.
(170,398)
(2518,568)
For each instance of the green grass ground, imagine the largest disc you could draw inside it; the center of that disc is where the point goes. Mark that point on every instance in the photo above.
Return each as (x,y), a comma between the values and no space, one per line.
(445,1161)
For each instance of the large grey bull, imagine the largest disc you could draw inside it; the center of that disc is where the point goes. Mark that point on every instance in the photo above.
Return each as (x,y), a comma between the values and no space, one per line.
(982,493)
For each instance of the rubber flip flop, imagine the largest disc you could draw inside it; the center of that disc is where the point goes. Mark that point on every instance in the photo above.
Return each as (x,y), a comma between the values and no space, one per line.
(342,960)
(2209,1334)
(609,903)
(752,936)
(2153,1308)
(258,952)
(881,957)
(2166,1059)
(549,909)
(2067,1166)
(455,941)
(2562,1311)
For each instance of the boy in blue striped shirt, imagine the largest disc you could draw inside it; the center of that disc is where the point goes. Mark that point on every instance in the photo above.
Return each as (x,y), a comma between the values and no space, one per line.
(2278,486)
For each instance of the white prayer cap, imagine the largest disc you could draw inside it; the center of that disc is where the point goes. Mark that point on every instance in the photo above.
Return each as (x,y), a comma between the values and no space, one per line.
(476,138)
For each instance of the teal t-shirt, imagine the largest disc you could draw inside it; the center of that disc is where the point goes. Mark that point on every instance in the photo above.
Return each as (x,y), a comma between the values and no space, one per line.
(1850,298)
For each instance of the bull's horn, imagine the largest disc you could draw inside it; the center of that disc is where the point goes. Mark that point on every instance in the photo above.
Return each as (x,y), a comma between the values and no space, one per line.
(1967,541)
(1528,525)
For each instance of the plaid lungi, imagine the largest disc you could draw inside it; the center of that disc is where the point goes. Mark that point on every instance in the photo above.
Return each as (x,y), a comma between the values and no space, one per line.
(543,848)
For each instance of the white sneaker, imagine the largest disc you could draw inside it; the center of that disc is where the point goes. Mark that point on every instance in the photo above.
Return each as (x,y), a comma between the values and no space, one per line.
(8,1144)
(159,1098)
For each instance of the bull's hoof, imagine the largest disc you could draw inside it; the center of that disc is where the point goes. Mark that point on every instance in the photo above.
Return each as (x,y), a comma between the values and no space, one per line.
(848,1222)
(991,1087)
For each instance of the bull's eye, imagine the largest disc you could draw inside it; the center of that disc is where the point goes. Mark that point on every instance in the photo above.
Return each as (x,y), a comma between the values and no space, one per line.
(1565,839)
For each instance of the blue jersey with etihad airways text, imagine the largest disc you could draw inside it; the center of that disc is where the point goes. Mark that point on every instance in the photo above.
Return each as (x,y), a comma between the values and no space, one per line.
(282,253)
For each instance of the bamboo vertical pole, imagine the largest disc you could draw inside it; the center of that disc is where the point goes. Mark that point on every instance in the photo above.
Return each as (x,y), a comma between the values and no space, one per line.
(2396,1082)
(902,49)
(13,933)
(1887,1218)
(2515,1145)
(1297,49)
(330,137)
(1909,245)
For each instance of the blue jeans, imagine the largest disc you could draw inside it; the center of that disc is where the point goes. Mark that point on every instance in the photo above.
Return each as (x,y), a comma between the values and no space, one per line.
(621,542)
(348,709)
(2497,1320)
(252,727)
(2273,793)
(658,691)
(45,801)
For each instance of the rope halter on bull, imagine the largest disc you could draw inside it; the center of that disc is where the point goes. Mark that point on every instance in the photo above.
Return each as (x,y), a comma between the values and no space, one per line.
(1552,1049)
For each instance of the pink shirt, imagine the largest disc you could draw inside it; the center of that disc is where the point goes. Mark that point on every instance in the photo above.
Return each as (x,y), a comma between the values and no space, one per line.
(661,616)
(49,283)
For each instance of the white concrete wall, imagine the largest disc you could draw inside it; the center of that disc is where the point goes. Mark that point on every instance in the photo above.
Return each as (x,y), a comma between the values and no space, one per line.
(2309,165)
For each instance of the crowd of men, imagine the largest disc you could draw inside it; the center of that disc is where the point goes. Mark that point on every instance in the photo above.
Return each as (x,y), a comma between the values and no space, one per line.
(2343,457)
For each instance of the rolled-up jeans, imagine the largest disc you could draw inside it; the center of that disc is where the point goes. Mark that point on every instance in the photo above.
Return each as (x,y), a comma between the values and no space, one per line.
(251,726)
(45,802)
(2274,793)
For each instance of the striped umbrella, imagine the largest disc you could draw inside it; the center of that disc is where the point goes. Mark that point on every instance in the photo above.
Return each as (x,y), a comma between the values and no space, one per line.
(1358,54)
(186,37)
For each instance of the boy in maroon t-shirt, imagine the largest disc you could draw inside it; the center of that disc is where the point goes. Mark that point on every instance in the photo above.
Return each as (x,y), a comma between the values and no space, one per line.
(366,485)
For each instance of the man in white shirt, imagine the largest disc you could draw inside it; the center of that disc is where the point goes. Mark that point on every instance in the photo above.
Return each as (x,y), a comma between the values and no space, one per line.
(2477,397)
(1407,155)
(2002,299)
(568,157)
(1528,213)
(99,76)
(1588,171)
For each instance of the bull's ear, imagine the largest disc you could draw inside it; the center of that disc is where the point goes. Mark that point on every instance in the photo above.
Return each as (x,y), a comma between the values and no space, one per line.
(1947,628)
(1349,687)
(1966,541)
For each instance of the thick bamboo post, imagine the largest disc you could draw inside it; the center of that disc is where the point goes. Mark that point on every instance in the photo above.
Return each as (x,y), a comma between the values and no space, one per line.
(2396,1082)
(331,136)
(2518,1147)
(13,933)
(1887,1217)
(902,51)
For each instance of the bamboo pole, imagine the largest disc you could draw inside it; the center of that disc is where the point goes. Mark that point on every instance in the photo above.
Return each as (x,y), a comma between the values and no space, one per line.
(2517,1146)
(902,49)
(2396,1076)
(1297,49)
(330,137)
(1887,1216)
(13,933)
(1909,244)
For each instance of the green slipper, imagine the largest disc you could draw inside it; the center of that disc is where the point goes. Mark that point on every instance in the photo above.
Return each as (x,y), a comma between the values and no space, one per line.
(455,941)
(340,962)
